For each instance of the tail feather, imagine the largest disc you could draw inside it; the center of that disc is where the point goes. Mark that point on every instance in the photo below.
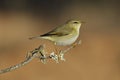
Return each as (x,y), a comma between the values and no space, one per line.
(31,38)
(41,37)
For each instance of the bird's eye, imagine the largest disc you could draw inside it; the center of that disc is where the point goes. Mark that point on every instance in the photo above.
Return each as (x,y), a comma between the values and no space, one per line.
(75,22)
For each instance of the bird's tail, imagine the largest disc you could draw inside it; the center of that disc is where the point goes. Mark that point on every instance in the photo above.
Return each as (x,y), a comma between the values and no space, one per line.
(42,37)
(31,38)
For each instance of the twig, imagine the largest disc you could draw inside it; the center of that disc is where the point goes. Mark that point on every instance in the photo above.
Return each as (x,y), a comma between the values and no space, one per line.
(26,61)
(41,54)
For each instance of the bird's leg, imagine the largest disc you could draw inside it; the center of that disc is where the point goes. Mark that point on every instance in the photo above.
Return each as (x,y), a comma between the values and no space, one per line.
(55,48)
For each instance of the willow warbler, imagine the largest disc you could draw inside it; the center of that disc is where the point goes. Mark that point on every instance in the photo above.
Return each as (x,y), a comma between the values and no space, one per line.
(63,35)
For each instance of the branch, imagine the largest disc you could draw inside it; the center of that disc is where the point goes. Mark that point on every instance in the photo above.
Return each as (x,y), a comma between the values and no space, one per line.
(41,54)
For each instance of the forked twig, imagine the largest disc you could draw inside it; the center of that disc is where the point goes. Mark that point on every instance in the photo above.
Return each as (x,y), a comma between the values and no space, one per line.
(41,54)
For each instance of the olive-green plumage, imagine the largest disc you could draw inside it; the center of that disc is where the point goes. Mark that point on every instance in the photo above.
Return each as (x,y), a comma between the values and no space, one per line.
(65,34)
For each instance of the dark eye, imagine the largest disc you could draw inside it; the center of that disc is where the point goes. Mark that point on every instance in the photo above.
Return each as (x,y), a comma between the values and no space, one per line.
(75,22)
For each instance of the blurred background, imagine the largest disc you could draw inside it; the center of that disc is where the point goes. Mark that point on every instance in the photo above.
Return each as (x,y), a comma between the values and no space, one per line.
(97,58)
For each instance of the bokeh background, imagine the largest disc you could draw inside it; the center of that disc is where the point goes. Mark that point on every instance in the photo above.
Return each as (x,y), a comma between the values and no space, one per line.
(97,58)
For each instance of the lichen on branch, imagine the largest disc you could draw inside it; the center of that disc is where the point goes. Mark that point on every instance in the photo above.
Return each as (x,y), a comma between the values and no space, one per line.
(40,53)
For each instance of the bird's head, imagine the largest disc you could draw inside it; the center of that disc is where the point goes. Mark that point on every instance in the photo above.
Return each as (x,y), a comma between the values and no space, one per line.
(74,23)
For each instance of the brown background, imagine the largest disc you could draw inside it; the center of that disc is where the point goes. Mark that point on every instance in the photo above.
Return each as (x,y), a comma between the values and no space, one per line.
(97,58)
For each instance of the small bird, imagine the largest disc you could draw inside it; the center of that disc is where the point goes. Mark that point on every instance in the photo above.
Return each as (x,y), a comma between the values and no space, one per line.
(63,35)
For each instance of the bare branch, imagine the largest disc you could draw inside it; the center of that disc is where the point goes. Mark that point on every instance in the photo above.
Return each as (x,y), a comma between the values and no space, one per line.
(26,61)
(41,54)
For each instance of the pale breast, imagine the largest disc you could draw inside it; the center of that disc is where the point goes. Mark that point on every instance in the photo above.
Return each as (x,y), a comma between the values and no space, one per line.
(66,40)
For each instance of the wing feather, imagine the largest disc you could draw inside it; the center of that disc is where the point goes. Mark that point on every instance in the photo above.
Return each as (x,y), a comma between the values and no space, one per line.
(59,31)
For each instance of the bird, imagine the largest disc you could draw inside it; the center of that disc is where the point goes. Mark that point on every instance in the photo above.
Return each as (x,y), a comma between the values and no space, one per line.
(63,35)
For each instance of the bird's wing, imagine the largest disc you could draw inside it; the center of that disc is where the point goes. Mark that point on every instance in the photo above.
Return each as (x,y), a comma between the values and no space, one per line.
(61,31)
(52,33)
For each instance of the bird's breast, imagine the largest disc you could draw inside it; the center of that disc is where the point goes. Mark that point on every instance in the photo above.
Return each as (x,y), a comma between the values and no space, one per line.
(66,40)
